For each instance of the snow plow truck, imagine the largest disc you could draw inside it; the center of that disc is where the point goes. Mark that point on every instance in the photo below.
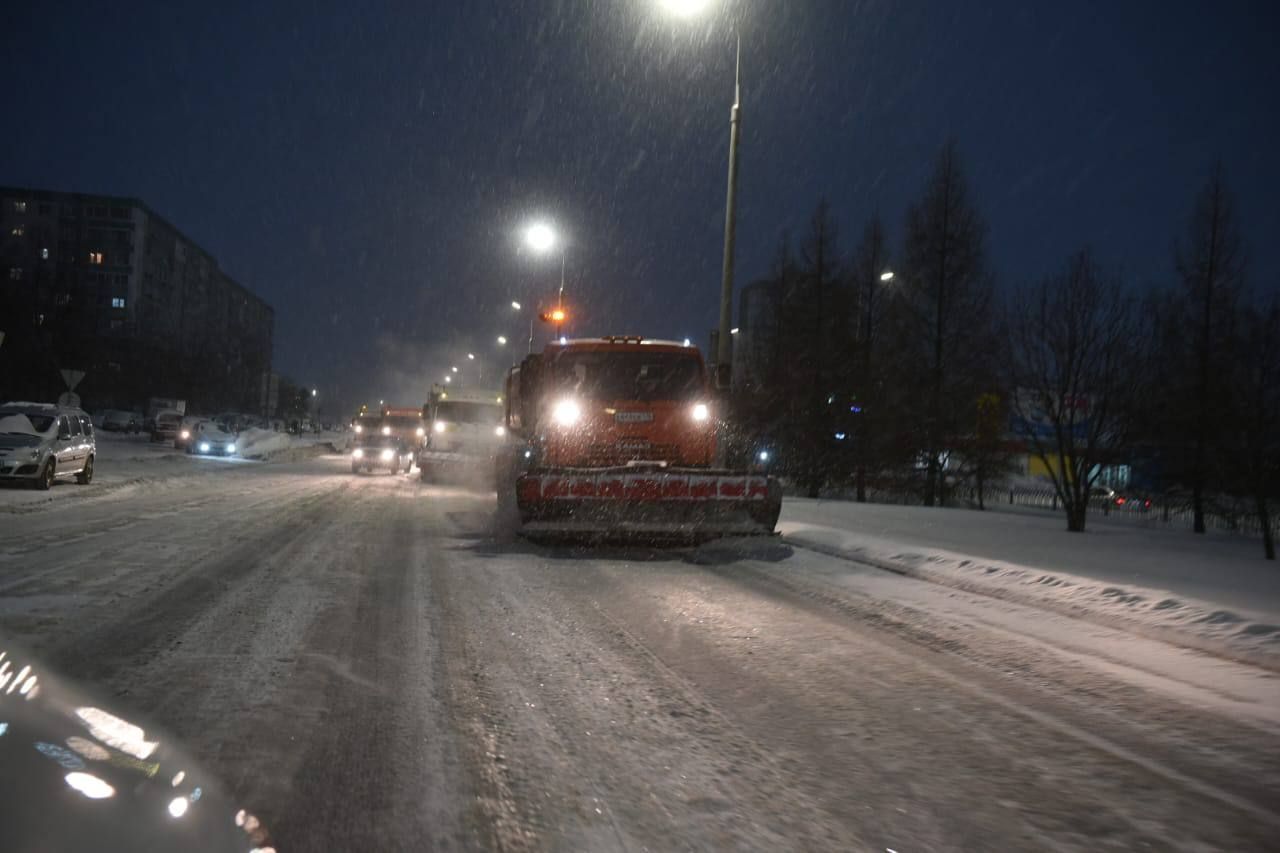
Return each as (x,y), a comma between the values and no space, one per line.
(616,437)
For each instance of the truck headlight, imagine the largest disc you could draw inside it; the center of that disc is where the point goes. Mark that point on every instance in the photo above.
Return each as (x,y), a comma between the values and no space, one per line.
(388,455)
(359,429)
(357,453)
(186,433)
(701,412)
(421,432)
(566,413)
(386,430)
(438,426)
(499,430)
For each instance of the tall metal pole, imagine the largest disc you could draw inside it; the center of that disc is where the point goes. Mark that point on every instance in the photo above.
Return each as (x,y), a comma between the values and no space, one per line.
(724,356)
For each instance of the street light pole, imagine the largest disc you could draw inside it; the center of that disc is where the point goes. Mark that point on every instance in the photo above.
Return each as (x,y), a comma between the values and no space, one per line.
(724,355)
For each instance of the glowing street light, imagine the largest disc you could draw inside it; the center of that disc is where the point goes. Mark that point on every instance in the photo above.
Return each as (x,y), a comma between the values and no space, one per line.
(515,305)
(684,8)
(887,275)
(471,356)
(540,237)
(724,354)
(447,379)
(502,340)
(313,392)
(454,368)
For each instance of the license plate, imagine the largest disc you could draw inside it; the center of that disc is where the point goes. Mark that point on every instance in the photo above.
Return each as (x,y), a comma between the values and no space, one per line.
(633,417)
(633,446)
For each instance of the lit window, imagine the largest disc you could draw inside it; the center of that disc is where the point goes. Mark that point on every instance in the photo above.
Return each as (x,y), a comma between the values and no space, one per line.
(19,207)
(117,302)
(15,273)
(44,254)
(18,231)
(95,258)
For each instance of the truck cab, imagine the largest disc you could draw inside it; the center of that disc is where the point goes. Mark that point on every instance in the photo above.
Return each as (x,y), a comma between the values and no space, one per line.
(466,431)
(615,401)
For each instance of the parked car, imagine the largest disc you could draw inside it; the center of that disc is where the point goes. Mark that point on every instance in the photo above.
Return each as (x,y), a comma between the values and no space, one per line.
(118,420)
(210,439)
(166,425)
(41,443)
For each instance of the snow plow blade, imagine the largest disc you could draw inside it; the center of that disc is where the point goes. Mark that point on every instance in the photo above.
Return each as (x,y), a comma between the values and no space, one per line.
(646,503)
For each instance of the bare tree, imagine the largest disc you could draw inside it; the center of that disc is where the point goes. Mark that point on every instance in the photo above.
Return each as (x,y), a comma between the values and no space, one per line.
(1255,415)
(1211,265)
(1075,346)
(870,263)
(949,296)
(822,303)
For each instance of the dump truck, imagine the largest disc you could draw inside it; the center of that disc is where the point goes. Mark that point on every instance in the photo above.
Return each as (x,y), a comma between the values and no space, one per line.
(616,437)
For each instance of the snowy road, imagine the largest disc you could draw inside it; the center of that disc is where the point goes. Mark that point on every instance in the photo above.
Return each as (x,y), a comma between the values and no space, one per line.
(370,664)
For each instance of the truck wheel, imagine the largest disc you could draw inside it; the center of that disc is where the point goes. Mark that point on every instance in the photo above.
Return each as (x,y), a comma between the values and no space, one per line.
(86,475)
(45,481)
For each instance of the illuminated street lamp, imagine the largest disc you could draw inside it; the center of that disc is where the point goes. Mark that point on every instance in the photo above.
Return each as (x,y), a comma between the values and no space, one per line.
(313,392)
(471,356)
(515,305)
(724,354)
(454,368)
(542,238)
(887,275)
(683,8)
(502,340)
(448,378)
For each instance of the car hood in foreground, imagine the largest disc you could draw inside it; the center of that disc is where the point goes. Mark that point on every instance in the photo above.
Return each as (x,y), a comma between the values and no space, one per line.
(78,774)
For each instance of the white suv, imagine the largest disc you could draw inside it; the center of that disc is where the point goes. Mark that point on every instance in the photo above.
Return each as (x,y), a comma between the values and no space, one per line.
(41,442)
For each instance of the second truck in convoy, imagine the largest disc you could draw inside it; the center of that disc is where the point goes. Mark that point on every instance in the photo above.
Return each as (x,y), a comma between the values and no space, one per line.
(465,432)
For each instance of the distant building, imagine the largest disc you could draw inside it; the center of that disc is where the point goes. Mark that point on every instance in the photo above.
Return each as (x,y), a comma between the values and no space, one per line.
(105,285)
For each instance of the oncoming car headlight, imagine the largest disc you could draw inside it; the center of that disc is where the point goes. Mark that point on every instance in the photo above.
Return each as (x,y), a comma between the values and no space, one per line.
(438,426)
(388,455)
(204,447)
(231,447)
(357,453)
(566,413)
(359,429)
(421,431)
(701,412)
(499,430)
(186,433)
(386,430)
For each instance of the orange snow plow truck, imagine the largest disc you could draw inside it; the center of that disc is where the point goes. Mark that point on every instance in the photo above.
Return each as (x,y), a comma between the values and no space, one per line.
(616,436)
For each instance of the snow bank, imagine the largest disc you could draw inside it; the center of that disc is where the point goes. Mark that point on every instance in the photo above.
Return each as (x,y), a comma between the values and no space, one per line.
(259,443)
(281,446)
(1202,621)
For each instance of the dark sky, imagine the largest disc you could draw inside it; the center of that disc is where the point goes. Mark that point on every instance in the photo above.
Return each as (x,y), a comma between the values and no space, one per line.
(367,167)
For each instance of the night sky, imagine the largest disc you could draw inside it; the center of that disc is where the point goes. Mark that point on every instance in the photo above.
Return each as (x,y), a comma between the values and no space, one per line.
(367,168)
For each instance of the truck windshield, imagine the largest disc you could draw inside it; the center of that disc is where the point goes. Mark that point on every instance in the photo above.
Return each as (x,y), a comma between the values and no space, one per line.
(613,375)
(400,423)
(469,413)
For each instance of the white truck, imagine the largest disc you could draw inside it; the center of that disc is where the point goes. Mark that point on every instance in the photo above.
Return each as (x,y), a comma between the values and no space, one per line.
(464,435)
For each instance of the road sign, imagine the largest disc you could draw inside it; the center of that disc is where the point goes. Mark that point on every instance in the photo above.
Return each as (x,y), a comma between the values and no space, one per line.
(68,399)
(72,378)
